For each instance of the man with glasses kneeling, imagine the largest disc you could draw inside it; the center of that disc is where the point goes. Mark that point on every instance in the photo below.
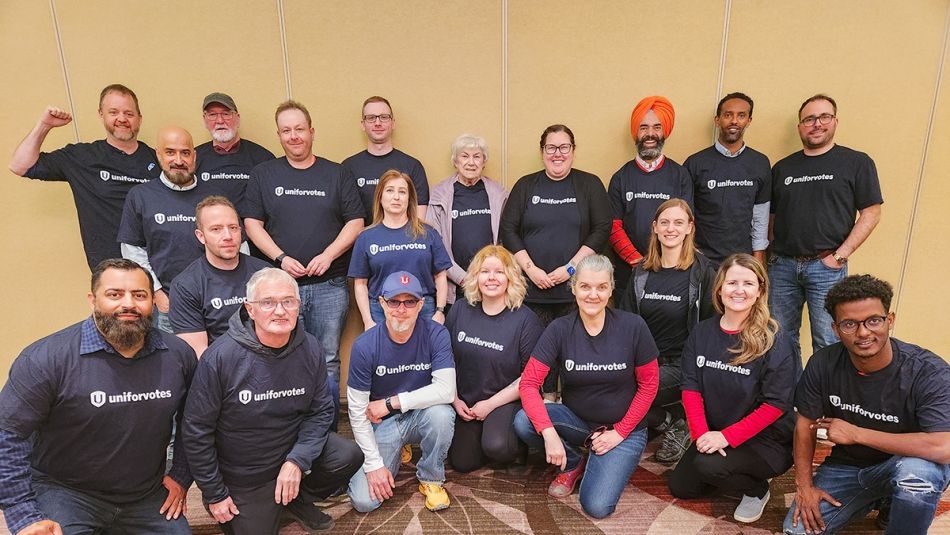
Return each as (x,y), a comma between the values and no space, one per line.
(400,389)
(885,405)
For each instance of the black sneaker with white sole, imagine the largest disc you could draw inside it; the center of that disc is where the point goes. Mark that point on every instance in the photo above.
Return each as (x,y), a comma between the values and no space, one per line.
(309,515)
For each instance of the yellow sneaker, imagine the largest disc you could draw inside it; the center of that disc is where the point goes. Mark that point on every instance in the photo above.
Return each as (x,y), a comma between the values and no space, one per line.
(436,497)
(406,455)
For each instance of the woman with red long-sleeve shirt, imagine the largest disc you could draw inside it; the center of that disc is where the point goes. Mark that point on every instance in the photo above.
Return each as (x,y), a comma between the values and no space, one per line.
(739,374)
(606,360)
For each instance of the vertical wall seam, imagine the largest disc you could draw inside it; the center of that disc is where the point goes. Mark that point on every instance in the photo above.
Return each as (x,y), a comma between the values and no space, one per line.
(504,93)
(283,48)
(62,63)
(923,162)
(727,12)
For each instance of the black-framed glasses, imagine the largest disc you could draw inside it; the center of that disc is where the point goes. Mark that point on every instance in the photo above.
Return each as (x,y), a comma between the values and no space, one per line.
(590,438)
(563,149)
(383,118)
(408,303)
(267,305)
(824,119)
(874,323)
(226,115)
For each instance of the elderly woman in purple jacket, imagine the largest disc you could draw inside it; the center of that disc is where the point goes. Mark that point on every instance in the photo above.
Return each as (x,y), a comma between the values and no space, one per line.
(466,207)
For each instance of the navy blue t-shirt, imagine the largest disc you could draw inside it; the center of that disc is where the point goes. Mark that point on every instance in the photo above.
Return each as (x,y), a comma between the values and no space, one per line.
(304,210)
(598,378)
(910,395)
(230,171)
(366,169)
(383,368)
(471,222)
(162,220)
(665,308)
(102,422)
(380,251)
(549,227)
(203,297)
(731,392)
(100,177)
(725,191)
(490,351)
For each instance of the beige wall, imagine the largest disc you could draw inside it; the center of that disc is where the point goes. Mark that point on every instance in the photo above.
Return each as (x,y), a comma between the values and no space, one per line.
(504,69)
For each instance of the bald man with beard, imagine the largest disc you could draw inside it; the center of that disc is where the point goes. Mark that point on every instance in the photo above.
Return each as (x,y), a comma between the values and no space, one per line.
(158,220)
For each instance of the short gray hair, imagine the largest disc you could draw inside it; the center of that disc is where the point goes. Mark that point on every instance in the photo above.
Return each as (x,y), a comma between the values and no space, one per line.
(594,262)
(466,141)
(272,275)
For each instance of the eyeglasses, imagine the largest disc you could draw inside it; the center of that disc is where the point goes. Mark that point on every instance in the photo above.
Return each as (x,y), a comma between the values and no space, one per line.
(590,438)
(408,303)
(267,305)
(384,118)
(563,149)
(226,115)
(874,323)
(824,118)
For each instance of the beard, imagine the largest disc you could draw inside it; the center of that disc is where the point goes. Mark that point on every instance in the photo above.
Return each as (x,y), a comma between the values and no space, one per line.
(223,136)
(124,135)
(652,153)
(179,176)
(401,326)
(122,334)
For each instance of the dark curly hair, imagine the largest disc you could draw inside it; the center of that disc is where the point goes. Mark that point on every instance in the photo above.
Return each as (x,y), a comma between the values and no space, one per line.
(857,288)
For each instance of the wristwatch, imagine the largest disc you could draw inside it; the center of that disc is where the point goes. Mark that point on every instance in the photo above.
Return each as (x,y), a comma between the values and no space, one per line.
(838,258)
(440,309)
(389,405)
(570,269)
(279,260)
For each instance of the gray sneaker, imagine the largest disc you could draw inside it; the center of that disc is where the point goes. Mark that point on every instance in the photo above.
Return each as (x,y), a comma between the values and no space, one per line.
(750,509)
(675,442)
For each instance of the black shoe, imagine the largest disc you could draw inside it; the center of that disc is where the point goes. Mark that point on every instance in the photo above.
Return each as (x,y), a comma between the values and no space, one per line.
(309,515)
(883,514)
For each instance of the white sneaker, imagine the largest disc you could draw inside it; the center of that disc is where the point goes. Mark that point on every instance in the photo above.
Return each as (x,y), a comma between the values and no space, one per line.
(750,508)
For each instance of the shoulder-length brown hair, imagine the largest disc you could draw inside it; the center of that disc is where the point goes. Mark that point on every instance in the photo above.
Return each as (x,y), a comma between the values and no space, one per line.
(652,261)
(758,330)
(416,225)
(517,286)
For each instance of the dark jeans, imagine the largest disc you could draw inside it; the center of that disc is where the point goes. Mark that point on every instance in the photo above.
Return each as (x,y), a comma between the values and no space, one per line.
(548,312)
(741,470)
(667,397)
(329,474)
(80,514)
(475,442)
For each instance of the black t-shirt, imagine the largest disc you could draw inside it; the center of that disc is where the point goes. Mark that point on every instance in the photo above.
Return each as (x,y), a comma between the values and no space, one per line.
(597,373)
(490,351)
(231,171)
(366,169)
(203,297)
(725,191)
(471,222)
(549,232)
(102,422)
(910,395)
(665,308)
(815,199)
(100,177)
(162,220)
(731,392)
(304,210)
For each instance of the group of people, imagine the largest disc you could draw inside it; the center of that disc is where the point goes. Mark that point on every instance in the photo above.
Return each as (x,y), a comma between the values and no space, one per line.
(481,310)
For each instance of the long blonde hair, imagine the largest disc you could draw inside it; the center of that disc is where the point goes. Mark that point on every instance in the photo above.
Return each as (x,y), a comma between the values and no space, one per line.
(517,286)
(652,261)
(759,328)
(416,226)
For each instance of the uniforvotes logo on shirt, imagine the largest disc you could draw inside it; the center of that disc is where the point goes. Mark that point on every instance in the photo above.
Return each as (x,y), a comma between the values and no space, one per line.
(99,398)
(856,408)
(572,366)
(246,396)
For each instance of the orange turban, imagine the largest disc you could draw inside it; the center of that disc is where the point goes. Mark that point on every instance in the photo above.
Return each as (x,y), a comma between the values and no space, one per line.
(660,106)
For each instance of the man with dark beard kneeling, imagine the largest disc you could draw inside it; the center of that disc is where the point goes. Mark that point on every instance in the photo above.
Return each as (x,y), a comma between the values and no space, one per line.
(86,417)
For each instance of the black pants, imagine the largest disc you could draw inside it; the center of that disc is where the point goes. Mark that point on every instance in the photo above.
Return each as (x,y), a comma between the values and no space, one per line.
(330,472)
(548,312)
(741,470)
(668,396)
(494,439)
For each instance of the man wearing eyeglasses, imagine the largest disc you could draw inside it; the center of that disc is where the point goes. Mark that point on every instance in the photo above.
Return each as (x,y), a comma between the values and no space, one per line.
(638,188)
(885,404)
(257,423)
(378,123)
(400,389)
(816,193)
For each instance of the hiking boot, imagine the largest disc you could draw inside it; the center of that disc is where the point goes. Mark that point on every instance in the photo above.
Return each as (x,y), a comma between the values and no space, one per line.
(564,483)
(436,497)
(750,508)
(675,442)
(309,515)
(405,456)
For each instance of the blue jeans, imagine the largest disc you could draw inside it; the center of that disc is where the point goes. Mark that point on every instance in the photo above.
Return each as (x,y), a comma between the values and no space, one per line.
(792,283)
(160,320)
(606,475)
(431,428)
(376,310)
(81,514)
(323,307)
(914,485)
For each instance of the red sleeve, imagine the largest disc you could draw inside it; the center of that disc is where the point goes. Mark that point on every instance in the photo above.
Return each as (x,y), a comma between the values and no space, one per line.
(752,424)
(695,413)
(648,383)
(622,244)
(530,390)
